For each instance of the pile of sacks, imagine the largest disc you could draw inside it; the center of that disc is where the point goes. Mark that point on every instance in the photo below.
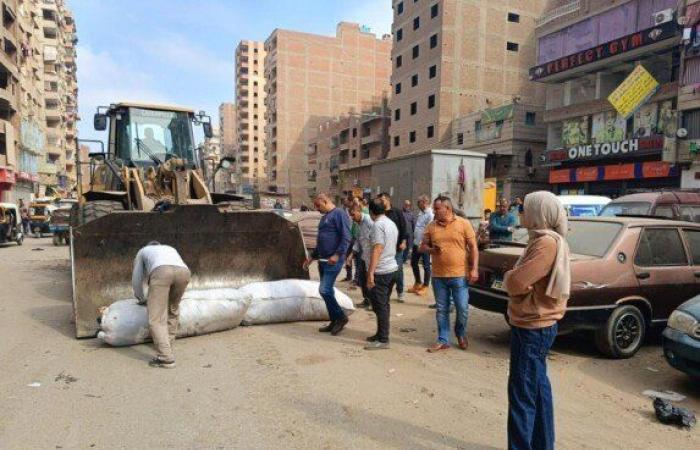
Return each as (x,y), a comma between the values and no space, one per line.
(125,322)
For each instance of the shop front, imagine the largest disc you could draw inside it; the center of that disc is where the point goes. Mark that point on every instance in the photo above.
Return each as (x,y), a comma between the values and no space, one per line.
(7,182)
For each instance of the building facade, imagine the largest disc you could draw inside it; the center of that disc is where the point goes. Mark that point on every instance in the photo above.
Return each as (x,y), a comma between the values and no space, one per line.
(586,49)
(250,102)
(452,58)
(311,79)
(513,137)
(9,100)
(228,129)
(340,156)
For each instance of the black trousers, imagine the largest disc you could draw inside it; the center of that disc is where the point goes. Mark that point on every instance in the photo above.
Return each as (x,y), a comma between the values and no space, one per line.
(379,296)
(362,278)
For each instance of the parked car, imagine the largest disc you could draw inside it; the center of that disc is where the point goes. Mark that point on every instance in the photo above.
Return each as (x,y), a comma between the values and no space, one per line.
(681,338)
(628,274)
(674,205)
(583,205)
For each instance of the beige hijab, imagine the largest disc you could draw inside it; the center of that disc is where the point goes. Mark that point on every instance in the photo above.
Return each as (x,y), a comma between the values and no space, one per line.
(544,215)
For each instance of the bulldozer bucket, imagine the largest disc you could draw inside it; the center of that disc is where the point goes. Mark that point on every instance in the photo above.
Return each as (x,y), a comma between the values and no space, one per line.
(222,249)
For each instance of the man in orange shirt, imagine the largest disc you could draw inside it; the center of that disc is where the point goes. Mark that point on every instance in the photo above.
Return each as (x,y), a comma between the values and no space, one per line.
(451,241)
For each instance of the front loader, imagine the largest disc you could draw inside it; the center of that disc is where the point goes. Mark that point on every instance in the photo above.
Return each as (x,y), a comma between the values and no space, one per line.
(148,186)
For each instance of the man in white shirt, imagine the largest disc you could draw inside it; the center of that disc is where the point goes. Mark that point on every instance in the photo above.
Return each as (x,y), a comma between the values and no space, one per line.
(425,216)
(362,249)
(167,276)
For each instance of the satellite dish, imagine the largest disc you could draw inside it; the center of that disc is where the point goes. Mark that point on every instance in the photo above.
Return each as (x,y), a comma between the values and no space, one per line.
(682,133)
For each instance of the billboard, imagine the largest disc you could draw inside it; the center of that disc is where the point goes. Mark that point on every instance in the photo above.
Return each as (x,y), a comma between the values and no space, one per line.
(633,92)
(667,123)
(575,132)
(608,127)
(645,123)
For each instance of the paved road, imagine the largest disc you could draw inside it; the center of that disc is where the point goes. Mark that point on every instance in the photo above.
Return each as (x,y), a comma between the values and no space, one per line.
(287,386)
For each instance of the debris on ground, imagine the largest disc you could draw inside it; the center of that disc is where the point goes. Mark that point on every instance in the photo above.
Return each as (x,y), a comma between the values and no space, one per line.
(38,249)
(665,395)
(66,378)
(673,415)
(34,384)
(652,369)
(408,330)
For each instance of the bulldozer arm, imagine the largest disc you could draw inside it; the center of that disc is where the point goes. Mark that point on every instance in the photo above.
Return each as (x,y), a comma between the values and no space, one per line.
(222,249)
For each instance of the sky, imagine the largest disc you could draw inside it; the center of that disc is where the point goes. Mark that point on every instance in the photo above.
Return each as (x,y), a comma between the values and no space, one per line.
(182,51)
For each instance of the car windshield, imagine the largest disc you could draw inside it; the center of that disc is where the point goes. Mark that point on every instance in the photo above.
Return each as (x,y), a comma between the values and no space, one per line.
(583,210)
(626,208)
(149,136)
(586,238)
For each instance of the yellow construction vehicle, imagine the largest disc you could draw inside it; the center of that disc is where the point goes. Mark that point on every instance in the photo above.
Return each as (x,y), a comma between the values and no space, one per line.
(147,185)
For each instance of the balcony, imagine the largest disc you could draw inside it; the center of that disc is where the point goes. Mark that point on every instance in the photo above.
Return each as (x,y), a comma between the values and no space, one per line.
(372,138)
(48,168)
(311,176)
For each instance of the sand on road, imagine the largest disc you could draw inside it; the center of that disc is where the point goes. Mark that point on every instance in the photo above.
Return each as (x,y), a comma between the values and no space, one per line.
(288,386)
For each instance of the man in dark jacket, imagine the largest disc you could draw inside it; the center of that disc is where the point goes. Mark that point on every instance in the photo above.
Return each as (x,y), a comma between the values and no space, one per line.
(332,245)
(396,216)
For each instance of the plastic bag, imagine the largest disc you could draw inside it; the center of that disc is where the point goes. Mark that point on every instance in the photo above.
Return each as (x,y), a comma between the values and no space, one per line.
(125,322)
(289,301)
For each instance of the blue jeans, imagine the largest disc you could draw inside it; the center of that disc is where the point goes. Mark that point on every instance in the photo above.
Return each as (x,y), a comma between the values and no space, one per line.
(399,273)
(449,290)
(530,409)
(328,274)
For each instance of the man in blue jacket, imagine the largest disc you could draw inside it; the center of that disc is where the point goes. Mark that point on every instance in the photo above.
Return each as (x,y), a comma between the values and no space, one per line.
(332,245)
(502,223)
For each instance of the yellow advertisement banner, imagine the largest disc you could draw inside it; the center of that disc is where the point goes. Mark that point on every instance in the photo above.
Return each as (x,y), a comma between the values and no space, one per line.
(637,88)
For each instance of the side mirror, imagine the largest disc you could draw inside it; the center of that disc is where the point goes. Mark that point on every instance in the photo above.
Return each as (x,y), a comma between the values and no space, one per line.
(206,127)
(100,122)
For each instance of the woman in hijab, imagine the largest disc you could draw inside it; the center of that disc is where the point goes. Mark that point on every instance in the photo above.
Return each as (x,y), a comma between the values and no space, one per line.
(538,287)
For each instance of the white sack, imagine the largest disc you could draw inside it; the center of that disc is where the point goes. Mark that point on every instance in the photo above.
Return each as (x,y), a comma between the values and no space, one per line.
(289,301)
(125,322)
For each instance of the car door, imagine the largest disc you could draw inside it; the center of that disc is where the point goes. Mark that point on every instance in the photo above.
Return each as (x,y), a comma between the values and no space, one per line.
(692,241)
(663,269)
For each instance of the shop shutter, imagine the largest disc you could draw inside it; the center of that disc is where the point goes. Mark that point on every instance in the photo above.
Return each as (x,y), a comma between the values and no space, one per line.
(691,122)
(691,73)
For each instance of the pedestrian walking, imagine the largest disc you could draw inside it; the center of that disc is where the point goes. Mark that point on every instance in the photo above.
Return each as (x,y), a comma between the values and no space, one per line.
(397,217)
(332,244)
(410,219)
(381,272)
(502,223)
(425,216)
(451,240)
(538,287)
(363,250)
(167,276)
(24,216)
(354,230)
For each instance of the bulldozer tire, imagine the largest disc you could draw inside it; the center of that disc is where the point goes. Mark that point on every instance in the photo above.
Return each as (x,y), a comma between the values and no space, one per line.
(96,209)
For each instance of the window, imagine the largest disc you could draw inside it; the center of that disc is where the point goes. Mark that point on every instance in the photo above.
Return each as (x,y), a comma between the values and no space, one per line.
(397,115)
(414,108)
(660,247)
(416,23)
(399,8)
(255,83)
(530,118)
(397,141)
(693,238)
(255,127)
(399,34)
(354,153)
(690,213)
(664,211)
(431,101)
(414,80)
(499,124)
(412,137)
(416,51)
(432,72)
(398,88)
(399,61)
(512,17)
(512,46)
(433,40)
(354,132)
(460,138)
(477,126)
(434,11)
(431,132)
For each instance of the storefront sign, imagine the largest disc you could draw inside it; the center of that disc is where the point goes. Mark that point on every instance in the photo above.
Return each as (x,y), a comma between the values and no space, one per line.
(615,47)
(630,171)
(656,169)
(619,172)
(587,174)
(7,176)
(496,114)
(632,93)
(614,149)
(560,176)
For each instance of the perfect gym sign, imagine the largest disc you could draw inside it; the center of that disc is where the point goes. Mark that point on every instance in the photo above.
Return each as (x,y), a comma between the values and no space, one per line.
(615,47)
(608,150)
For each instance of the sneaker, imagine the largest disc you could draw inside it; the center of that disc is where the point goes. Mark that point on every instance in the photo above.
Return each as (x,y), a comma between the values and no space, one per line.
(159,363)
(401,297)
(363,304)
(338,326)
(327,328)
(378,346)
(373,338)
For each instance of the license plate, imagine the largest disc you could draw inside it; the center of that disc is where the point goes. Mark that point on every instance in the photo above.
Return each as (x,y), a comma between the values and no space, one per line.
(497,284)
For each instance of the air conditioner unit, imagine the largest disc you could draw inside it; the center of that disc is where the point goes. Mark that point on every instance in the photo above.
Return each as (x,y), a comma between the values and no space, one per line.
(663,16)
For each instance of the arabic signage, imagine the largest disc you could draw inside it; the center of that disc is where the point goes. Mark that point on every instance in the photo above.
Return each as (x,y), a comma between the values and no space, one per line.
(607,150)
(615,47)
(496,114)
(637,88)
(630,171)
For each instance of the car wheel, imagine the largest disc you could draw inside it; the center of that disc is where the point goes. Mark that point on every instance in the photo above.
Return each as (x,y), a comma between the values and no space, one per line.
(623,333)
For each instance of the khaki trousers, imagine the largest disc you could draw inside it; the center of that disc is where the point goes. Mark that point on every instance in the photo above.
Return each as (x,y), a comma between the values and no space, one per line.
(166,285)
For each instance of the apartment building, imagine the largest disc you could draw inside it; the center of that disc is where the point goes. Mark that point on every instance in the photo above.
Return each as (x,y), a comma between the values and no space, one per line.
(228,128)
(586,49)
(340,156)
(454,57)
(311,79)
(9,99)
(250,102)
